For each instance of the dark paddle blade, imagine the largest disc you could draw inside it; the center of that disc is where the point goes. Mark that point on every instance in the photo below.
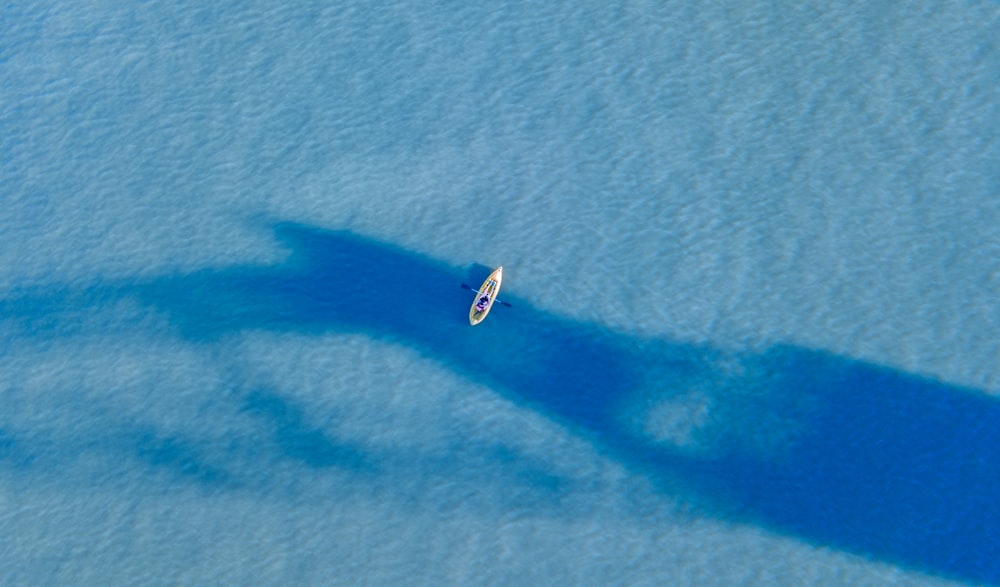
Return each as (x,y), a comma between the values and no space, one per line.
(470,288)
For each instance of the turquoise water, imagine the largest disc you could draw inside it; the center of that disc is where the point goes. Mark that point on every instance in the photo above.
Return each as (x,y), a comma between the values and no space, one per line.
(750,249)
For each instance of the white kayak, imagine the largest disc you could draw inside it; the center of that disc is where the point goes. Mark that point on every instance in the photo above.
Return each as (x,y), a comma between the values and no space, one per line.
(486,295)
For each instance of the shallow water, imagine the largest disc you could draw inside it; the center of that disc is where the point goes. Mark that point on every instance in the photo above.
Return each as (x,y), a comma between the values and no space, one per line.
(751,252)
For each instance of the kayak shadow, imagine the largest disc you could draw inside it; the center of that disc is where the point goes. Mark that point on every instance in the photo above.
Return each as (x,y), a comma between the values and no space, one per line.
(476,273)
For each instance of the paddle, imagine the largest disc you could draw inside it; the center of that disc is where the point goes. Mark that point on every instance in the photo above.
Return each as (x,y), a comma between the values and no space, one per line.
(470,288)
